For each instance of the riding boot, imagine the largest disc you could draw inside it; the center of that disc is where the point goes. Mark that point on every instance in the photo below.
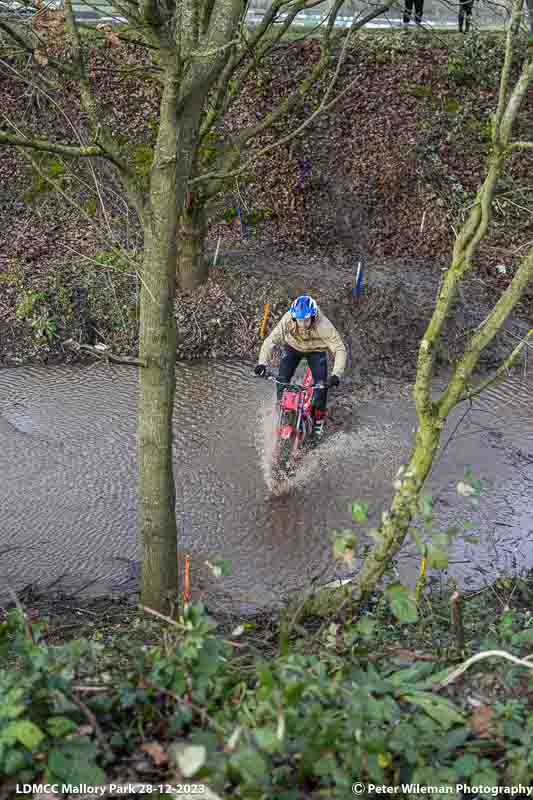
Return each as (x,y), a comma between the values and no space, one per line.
(319,419)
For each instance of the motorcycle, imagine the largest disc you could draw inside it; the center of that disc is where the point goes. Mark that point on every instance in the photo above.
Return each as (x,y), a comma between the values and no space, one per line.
(294,420)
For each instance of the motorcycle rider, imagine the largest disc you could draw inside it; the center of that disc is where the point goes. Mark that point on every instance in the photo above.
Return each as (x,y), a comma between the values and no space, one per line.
(305,332)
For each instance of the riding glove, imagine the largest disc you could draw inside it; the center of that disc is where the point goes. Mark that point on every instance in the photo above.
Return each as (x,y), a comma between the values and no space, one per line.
(260,370)
(333,382)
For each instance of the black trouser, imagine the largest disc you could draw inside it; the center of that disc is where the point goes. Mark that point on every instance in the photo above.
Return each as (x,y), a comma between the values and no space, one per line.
(465,10)
(318,363)
(408,10)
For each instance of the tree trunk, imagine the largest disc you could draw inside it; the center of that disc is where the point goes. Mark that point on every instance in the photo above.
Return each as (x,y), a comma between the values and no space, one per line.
(396,522)
(157,345)
(394,528)
(157,497)
(191,262)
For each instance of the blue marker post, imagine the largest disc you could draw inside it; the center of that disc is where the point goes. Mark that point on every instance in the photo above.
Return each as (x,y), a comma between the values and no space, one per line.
(358,282)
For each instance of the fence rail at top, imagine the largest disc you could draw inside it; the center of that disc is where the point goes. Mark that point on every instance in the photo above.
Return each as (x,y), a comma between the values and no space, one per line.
(435,11)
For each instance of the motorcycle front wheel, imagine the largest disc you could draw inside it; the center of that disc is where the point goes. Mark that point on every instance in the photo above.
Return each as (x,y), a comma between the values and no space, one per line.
(282,455)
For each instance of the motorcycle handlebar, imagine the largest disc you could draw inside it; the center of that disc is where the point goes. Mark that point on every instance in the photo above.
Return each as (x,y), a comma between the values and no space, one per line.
(294,386)
(298,387)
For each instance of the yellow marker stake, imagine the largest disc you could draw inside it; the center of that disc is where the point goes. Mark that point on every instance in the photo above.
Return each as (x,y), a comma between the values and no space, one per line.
(420,582)
(265,317)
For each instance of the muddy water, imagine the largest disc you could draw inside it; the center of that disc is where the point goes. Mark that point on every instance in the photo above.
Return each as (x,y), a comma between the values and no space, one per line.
(67,493)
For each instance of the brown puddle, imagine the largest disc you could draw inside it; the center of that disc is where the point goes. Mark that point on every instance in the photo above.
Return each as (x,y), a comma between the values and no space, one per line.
(67,497)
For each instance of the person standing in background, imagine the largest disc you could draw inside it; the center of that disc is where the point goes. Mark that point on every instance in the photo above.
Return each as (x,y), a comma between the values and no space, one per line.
(465,14)
(408,11)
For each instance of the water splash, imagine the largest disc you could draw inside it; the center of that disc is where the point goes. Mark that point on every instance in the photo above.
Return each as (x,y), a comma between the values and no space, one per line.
(264,439)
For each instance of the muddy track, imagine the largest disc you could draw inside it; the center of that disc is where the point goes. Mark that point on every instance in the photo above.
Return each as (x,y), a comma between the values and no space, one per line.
(414,275)
(382,329)
(330,273)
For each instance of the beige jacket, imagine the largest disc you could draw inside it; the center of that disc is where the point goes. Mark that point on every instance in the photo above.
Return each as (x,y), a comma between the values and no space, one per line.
(322,335)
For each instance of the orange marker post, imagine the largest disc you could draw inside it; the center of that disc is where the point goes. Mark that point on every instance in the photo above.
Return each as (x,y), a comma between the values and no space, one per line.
(265,317)
(187,582)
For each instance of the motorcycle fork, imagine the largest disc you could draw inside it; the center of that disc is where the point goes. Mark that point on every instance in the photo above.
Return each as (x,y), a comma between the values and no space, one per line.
(280,423)
(298,428)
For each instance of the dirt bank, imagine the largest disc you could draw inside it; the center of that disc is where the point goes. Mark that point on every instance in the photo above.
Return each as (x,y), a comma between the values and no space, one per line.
(222,319)
(411,133)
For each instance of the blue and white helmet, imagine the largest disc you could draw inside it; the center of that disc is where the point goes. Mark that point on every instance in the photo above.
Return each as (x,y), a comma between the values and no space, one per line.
(304,306)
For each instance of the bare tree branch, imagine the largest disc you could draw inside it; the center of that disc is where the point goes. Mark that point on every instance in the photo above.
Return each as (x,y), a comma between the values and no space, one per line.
(255,51)
(83,151)
(134,195)
(486,334)
(509,362)
(283,108)
(87,97)
(300,92)
(102,135)
(504,80)
(515,101)
(212,53)
(472,232)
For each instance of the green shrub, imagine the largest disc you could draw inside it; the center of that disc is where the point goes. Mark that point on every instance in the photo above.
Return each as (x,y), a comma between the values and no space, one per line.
(306,724)
(32,307)
(39,721)
(480,60)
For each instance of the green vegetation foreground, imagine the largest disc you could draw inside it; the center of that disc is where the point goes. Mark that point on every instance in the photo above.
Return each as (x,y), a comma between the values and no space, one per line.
(140,700)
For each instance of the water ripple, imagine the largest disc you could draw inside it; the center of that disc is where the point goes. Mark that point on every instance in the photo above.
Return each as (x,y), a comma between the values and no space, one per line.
(68,493)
